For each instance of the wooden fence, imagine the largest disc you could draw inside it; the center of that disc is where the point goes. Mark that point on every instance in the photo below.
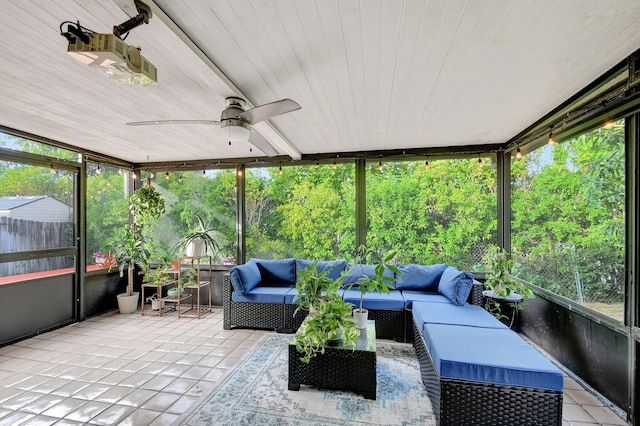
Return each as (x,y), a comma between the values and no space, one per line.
(18,235)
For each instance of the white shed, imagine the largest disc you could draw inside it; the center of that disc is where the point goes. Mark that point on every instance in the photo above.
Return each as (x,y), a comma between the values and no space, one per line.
(40,208)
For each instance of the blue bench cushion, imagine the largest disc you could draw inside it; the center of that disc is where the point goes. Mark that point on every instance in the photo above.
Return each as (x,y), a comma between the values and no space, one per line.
(244,277)
(262,294)
(411,296)
(333,268)
(390,302)
(357,271)
(420,277)
(456,285)
(448,313)
(489,355)
(277,272)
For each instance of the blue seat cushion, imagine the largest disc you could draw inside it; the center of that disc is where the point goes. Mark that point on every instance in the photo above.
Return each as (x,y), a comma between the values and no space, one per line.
(390,302)
(448,313)
(456,285)
(489,355)
(262,294)
(333,268)
(411,296)
(244,277)
(277,272)
(420,277)
(358,271)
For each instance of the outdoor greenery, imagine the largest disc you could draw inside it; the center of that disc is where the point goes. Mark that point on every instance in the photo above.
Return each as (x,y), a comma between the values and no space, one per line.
(568,204)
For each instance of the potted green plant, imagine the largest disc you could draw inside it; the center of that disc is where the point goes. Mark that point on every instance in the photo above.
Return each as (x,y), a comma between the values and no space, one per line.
(200,240)
(146,205)
(500,286)
(369,283)
(313,286)
(330,323)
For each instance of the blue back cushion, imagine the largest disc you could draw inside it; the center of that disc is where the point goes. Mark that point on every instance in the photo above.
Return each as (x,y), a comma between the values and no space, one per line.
(278,272)
(420,277)
(357,271)
(455,285)
(391,302)
(245,277)
(333,267)
(489,355)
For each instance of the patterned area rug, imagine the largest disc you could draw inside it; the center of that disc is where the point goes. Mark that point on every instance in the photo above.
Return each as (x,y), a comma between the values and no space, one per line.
(255,393)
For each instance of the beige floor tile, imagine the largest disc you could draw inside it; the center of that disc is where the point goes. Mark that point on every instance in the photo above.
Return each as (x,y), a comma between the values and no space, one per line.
(70,388)
(603,415)
(165,419)
(16,418)
(113,415)
(114,394)
(64,407)
(180,385)
(575,413)
(42,404)
(161,402)
(92,391)
(140,417)
(137,397)
(88,411)
(583,397)
(20,400)
(41,421)
(182,404)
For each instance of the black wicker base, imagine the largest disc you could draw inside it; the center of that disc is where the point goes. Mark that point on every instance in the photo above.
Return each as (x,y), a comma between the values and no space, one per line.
(337,368)
(461,402)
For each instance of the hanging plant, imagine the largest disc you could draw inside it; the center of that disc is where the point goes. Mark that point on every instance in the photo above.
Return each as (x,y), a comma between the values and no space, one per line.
(146,206)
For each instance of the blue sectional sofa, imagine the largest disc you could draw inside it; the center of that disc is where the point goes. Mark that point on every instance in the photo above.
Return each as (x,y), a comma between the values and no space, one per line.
(476,370)
(260,293)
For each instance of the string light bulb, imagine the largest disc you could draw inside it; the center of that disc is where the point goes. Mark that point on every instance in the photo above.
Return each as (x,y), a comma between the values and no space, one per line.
(240,172)
(427,166)
(166,176)
(480,163)
(98,170)
(518,153)
(180,179)
(551,141)
(204,174)
(335,166)
(52,169)
(280,172)
(380,166)
(134,176)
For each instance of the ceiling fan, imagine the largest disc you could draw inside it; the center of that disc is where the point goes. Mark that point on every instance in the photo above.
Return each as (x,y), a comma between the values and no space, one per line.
(235,119)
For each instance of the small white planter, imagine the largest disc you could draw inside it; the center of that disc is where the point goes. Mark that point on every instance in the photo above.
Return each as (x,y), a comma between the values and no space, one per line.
(128,304)
(156,304)
(361,318)
(195,247)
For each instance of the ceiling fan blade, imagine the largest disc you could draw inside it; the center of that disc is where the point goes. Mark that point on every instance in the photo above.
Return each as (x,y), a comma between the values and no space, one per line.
(147,123)
(262,144)
(262,112)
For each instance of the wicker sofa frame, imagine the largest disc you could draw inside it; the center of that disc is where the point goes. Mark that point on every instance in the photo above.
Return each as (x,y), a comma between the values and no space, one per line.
(463,402)
(390,324)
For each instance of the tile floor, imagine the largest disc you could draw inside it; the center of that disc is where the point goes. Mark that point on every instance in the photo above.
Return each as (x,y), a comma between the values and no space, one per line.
(146,370)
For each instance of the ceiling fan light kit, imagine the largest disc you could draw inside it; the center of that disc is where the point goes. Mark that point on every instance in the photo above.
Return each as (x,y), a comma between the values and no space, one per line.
(235,120)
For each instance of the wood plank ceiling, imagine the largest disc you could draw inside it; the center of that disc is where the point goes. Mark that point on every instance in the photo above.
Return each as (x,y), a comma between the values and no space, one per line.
(369,75)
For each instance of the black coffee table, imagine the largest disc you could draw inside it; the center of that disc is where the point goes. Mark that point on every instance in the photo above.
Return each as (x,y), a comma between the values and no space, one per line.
(341,368)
